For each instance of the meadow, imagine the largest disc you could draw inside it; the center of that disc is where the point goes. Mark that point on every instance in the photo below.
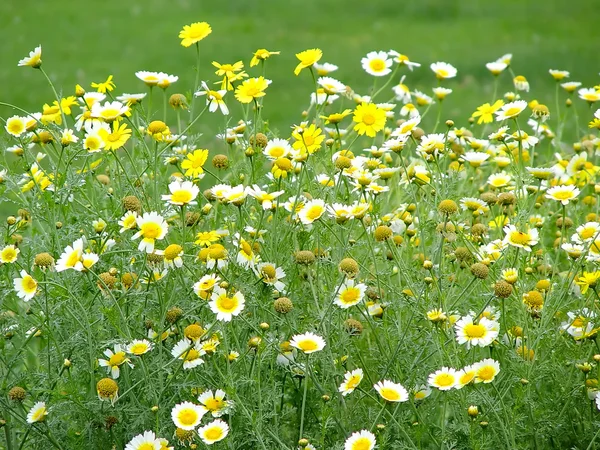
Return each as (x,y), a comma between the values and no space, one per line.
(213,239)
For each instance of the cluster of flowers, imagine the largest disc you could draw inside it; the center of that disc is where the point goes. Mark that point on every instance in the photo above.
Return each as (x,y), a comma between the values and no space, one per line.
(271,197)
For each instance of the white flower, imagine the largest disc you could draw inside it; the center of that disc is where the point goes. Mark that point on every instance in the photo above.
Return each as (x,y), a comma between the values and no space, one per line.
(26,286)
(377,64)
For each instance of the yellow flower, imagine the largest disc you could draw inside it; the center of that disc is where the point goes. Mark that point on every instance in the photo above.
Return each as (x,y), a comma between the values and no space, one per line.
(369,119)
(261,55)
(281,168)
(485,112)
(194,163)
(51,114)
(228,70)
(251,89)
(66,103)
(308,139)
(106,86)
(587,280)
(336,117)
(117,138)
(307,59)
(34,59)
(194,33)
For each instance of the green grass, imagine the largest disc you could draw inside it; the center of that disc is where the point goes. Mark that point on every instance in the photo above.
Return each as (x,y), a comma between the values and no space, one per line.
(82,44)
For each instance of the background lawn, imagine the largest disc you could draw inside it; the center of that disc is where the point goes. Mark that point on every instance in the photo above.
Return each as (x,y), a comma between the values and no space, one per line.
(86,41)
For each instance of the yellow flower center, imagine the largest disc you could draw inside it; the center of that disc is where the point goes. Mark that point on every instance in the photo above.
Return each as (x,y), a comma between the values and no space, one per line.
(138,349)
(213,433)
(307,345)
(72,259)
(181,196)
(377,65)
(187,417)
(467,378)
(269,272)
(519,238)
(146,446)
(276,152)
(197,162)
(38,415)
(486,373)
(129,221)
(109,113)
(444,380)
(227,304)
(117,359)
(151,230)
(214,404)
(314,212)
(368,119)
(362,443)
(9,254)
(92,143)
(475,331)
(563,195)
(192,354)
(29,284)
(350,295)
(390,394)
(512,111)
(15,127)
(353,382)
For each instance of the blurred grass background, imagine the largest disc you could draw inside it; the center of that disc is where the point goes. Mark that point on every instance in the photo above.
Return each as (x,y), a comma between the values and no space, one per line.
(86,41)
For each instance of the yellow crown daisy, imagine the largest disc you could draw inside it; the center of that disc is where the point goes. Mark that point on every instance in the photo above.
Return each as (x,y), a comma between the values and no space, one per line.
(194,162)
(307,59)
(444,379)
(521,239)
(251,89)
(224,305)
(486,370)
(182,193)
(510,110)
(16,125)
(308,342)
(145,441)
(115,359)
(563,194)
(152,227)
(191,34)
(261,55)
(187,415)
(190,353)
(391,392)
(34,59)
(26,287)
(443,70)
(37,413)
(351,381)
(479,334)
(369,118)
(214,402)
(349,294)
(214,431)
(9,254)
(139,347)
(361,440)
(377,64)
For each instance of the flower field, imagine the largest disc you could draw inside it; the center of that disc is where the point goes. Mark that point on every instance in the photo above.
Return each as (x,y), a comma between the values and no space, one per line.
(380,273)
